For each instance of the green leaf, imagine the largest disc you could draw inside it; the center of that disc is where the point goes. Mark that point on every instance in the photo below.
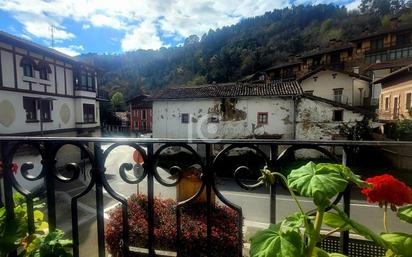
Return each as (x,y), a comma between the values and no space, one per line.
(38,215)
(321,182)
(361,229)
(293,222)
(405,213)
(333,220)
(272,243)
(267,177)
(400,243)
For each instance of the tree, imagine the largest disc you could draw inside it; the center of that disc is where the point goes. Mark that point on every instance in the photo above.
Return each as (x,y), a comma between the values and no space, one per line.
(383,7)
(117,101)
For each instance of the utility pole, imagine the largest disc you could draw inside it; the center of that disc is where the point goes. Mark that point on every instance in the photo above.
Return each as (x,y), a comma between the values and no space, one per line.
(52,28)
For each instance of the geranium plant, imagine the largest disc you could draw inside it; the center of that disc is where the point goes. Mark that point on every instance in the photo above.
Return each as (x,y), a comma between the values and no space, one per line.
(14,167)
(299,234)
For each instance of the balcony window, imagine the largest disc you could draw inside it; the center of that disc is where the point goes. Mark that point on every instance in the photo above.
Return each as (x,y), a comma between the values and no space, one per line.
(262,118)
(387,103)
(403,39)
(30,106)
(27,64)
(44,70)
(88,113)
(338,94)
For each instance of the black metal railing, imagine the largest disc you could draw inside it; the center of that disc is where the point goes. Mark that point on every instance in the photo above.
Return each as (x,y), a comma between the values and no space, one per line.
(204,154)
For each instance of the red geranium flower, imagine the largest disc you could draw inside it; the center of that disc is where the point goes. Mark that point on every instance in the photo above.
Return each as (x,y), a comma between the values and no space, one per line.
(14,167)
(388,190)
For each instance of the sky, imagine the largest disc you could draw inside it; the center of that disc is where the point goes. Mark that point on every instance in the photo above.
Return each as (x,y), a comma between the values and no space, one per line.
(116,26)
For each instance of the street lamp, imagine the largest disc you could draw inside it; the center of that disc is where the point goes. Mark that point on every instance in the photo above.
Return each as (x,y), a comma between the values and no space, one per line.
(39,102)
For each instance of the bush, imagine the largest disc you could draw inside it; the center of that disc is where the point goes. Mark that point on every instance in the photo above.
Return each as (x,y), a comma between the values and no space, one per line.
(193,231)
(403,130)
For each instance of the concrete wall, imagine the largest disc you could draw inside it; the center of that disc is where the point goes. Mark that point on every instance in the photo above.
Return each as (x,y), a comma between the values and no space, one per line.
(325,82)
(241,123)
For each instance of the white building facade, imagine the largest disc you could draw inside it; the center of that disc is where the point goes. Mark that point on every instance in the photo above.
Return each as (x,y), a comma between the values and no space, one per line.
(43,91)
(337,85)
(270,111)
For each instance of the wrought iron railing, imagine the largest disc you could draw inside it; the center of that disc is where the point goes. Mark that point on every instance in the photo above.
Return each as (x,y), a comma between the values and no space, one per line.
(151,153)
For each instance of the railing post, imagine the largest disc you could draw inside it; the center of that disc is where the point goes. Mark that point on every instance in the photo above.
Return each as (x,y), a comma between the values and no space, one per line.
(98,172)
(48,164)
(344,236)
(150,199)
(209,197)
(273,158)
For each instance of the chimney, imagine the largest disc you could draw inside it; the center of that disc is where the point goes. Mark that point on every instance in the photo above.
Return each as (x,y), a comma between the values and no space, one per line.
(395,22)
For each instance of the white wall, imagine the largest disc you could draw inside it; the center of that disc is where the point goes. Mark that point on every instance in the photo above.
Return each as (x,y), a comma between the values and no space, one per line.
(19,124)
(325,83)
(167,118)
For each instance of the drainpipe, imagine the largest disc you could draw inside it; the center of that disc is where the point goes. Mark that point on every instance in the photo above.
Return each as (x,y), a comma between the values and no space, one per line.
(295,108)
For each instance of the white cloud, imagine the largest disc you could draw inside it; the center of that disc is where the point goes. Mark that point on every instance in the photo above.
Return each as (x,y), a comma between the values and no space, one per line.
(141,21)
(143,36)
(71,50)
(354,5)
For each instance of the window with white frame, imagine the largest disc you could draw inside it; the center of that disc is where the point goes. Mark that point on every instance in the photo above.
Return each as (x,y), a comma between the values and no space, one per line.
(338,94)
(408,101)
(185,118)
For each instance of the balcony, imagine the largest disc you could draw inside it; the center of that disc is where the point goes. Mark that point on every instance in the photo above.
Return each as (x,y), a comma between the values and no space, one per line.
(54,177)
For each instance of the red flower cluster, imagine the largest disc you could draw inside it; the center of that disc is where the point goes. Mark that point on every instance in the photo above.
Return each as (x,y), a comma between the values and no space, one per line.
(14,167)
(388,190)
(193,228)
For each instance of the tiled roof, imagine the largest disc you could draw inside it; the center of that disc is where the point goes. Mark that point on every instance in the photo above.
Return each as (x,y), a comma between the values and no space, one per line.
(388,65)
(232,90)
(282,65)
(395,75)
(377,34)
(325,50)
(326,67)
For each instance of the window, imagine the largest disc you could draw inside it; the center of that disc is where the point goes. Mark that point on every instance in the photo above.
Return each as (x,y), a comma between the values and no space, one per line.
(403,39)
(337,115)
(29,104)
(377,44)
(308,92)
(185,118)
(408,101)
(44,70)
(45,110)
(27,64)
(85,81)
(88,113)
(338,94)
(387,103)
(143,114)
(262,118)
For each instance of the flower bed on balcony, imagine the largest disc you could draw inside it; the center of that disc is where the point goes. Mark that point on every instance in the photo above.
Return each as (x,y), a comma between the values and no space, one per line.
(193,228)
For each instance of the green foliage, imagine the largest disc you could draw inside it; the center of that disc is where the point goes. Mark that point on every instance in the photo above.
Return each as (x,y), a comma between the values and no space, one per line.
(399,243)
(233,52)
(405,213)
(360,131)
(318,181)
(117,101)
(273,242)
(15,236)
(382,7)
(403,129)
(299,233)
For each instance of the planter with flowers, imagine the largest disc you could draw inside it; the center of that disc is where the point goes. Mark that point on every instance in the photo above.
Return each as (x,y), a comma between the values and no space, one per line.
(299,234)
(193,228)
